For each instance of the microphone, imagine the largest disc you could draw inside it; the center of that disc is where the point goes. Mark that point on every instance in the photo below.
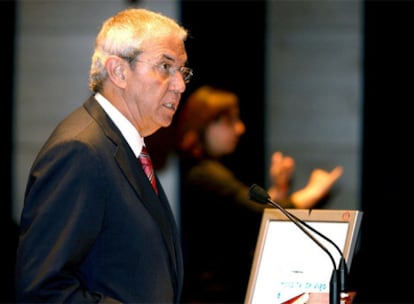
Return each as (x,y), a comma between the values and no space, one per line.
(258,194)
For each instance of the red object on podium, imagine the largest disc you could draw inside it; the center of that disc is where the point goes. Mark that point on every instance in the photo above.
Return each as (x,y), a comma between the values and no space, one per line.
(319,298)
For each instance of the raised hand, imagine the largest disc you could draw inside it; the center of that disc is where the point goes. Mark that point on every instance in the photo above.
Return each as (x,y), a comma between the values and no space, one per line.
(319,184)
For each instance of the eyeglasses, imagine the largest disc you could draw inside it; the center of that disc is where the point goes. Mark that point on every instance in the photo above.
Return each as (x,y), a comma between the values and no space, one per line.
(166,69)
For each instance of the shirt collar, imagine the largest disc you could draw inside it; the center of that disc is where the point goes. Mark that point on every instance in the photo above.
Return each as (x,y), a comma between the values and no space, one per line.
(131,135)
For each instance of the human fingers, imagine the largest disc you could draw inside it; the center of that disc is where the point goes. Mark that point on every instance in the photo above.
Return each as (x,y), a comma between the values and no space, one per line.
(336,172)
(277,157)
(288,163)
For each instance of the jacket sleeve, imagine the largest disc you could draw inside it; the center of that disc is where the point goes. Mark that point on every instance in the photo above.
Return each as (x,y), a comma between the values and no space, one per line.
(61,218)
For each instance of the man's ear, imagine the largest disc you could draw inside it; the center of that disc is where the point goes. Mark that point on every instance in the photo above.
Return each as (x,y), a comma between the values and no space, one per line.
(116,69)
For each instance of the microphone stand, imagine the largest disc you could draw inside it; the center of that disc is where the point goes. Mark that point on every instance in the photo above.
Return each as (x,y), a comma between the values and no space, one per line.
(342,267)
(260,195)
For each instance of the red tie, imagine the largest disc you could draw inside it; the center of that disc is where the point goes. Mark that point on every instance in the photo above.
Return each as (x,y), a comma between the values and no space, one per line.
(146,163)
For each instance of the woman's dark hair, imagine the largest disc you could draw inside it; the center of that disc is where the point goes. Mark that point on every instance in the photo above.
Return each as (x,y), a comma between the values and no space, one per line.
(202,107)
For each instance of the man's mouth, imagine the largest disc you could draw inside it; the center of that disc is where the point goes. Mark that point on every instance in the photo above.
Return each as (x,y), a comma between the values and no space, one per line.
(170,106)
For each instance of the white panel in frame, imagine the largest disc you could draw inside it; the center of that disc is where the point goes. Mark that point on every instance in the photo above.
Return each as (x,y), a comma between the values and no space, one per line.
(287,262)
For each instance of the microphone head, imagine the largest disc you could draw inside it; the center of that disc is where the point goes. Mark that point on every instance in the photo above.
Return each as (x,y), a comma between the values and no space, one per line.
(258,194)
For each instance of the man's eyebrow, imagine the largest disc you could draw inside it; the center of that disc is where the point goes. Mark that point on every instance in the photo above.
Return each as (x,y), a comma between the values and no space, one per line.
(168,57)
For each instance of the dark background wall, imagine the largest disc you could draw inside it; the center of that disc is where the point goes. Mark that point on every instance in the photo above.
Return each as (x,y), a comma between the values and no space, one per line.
(7,26)
(386,262)
(7,226)
(226,48)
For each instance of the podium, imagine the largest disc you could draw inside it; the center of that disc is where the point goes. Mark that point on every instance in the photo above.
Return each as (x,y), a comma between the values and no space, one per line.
(289,265)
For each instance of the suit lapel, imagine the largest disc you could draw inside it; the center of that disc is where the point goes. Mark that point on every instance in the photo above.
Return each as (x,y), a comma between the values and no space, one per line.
(158,206)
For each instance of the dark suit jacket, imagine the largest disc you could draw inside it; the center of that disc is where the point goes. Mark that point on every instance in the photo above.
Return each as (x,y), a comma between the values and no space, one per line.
(92,228)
